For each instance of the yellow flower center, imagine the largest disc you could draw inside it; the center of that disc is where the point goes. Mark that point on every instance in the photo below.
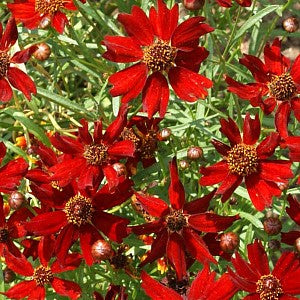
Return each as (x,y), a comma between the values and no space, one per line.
(160,56)
(48,6)
(268,287)
(42,275)
(4,63)
(176,220)
(282,87)
(95,154)
(242,160)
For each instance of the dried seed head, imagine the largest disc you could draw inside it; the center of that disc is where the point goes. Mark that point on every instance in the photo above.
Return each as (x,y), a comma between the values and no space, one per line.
(8,275)
(229,241)
(101,250)
(184,164)
(16,200)
(42,52)
(164,134)
(194,152)
(290,24)
(193,4)
(272,225)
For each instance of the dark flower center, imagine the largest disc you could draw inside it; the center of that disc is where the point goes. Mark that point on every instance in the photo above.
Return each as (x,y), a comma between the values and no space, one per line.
(4,235)
(79,210)
(95,154)
(42,275)
(129,135)
(180,286)
(242,160)
(48,6)
(268,287)
(160,56)
(282,87)
(149,145)
(176,220)
(4,63)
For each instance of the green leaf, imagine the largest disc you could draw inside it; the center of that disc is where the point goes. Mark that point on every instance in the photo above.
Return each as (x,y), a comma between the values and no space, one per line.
(251,218)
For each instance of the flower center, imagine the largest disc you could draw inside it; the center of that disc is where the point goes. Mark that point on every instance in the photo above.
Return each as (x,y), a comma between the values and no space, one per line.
(4,235)
(79,210)
(149,145)
(42,275)
(95,154)
(268,287)
(129,135)
(48,6)
(282,87)
(242,160)
(176,220)
(4,63)
(160,56)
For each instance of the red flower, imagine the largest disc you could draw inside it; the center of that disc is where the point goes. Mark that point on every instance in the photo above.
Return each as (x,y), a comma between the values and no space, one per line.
(228,3)
(41,13)
(276,80)
(255,277)
(12,172)
(294,212)
(8,74)
(92,157)
(177,227)
(161,48)
(78,216)
(244,160)
(204,287)
(43,275)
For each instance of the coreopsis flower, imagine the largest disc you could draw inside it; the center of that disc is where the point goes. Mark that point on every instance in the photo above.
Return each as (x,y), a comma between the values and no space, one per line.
(177,227)
(244,160)
(80,216)
(92,158)
(204,287)
(277,82)
(257,279)
(41,13)
(43,275)
(294,212)
(9,73)
(160,48)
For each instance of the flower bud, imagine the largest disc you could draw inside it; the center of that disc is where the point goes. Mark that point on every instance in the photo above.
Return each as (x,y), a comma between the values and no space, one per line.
(194,152)
(272,225)
(290,24)
(16,200)
(45,22)
(274,244)
(297,244)
(101,250)
(120,169)
(183,164)
(42,52)
(8,275)
(164,134)
(193,4)
(229,241)
(233,201)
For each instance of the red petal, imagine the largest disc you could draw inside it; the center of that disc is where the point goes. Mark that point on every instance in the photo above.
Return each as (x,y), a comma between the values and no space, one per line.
(72,262)
(176,254)
(156,95)
(286,265)
(5,90)
(66,288)
(276,170)
(38,293)
(66,144)
(59,21)
(213,174)
(10,35)
(24,55)
(224,3)
(188,85)
(46,249)
(220,147)
(157,291)
(211,222)
(122,149)
(290,237)
(21,290)
(18,264)
(294,209)
(229,184)
(199,205)
(295,103)
(21,81)
(295,73)
(231,130)
(282,117)
(267,147)
(147,228)
(258,258)
(251,130)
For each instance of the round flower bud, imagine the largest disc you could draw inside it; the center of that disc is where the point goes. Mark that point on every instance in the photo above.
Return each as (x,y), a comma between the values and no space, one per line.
(45,22)
(272,225)
(233,201)
(8,275)
(120,169)
(183,164)
(101,250)
(194,152)
(42,52)
(290,24)
(193,4)
(164,134)
(274,244)
(297,244)
(16,200)
(229,241)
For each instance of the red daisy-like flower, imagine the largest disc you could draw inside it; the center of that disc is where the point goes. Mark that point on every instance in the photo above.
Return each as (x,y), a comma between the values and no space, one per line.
(244,160)
(257,279)
(294,212)
(10,74)
(43,275)
(228,3)
(204,287)
(161,48)
(92,157)
(79,216)
(276,80)
(40,13)
(177,227)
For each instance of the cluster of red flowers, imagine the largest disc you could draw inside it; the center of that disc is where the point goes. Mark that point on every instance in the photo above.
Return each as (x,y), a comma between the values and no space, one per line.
(79,184)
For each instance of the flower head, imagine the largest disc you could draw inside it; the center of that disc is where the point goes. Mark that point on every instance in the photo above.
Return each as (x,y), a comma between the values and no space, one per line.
(243,159)
(161,48)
